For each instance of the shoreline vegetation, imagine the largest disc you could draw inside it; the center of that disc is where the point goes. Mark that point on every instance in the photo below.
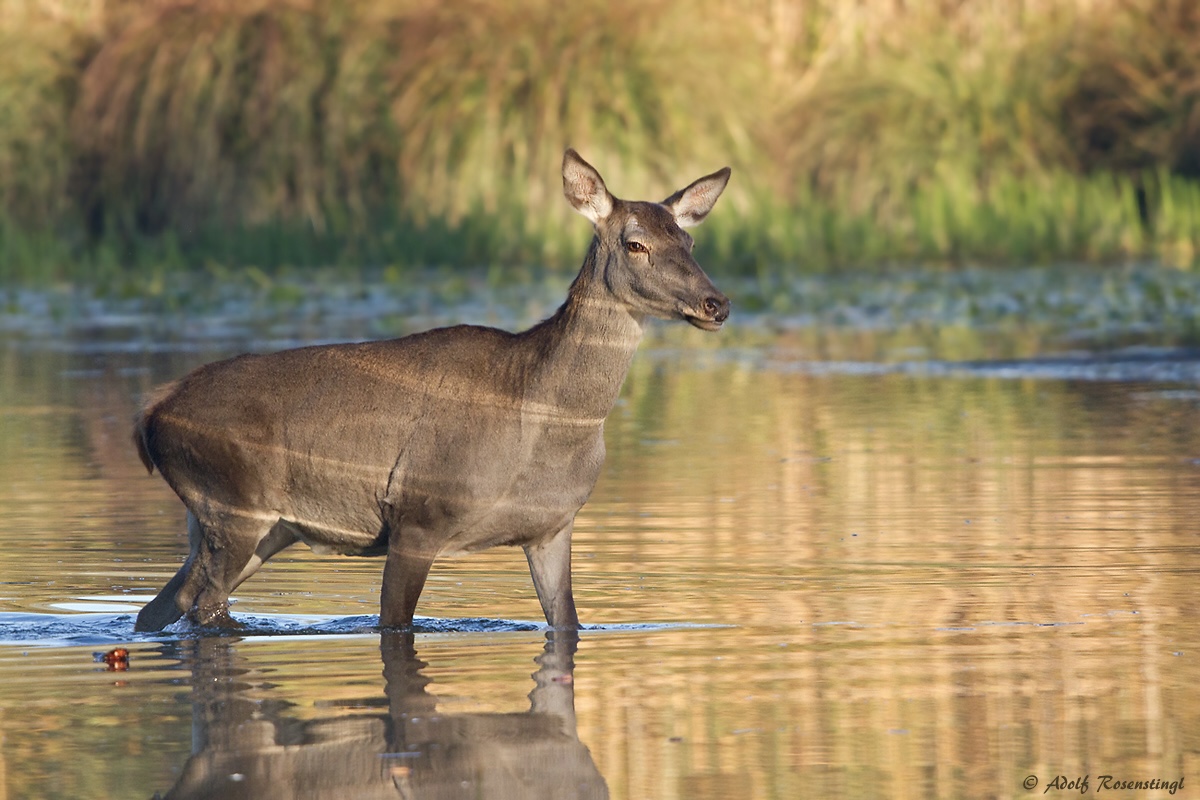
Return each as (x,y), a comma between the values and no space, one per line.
(149,137)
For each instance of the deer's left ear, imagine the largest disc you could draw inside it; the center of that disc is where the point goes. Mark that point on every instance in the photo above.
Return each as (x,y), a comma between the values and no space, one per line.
(691,205)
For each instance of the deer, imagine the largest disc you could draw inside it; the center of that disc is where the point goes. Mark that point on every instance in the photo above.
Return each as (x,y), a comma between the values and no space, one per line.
(444,442)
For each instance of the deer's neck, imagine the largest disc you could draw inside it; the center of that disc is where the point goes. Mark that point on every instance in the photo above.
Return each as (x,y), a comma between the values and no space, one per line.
(585,349)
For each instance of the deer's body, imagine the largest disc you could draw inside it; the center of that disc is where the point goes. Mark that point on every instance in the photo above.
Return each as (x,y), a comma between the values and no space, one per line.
(449,441)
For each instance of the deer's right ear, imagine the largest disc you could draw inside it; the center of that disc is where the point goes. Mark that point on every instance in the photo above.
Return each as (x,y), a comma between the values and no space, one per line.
(584,188)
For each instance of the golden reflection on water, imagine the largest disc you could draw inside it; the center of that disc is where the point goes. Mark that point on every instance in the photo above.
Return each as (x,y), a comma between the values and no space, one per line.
(932,587)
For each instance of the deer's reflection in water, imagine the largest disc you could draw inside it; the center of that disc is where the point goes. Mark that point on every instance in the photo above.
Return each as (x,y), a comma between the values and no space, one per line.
(243,748)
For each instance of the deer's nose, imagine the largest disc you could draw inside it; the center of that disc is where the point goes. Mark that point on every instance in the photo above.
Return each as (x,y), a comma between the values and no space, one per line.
(717,308)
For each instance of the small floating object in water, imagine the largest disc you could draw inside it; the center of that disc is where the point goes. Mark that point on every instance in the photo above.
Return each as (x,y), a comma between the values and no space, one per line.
(117,659)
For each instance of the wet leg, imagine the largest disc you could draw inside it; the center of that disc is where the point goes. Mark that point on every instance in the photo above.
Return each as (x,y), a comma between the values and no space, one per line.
(228,545)
(162,610)
(550,566)
(408,564)
(171,603)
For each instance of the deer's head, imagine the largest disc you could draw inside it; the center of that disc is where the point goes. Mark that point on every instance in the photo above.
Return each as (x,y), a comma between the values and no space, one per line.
(643,253)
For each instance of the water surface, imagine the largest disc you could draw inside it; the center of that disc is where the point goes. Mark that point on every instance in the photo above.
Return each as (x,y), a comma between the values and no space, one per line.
(866,563)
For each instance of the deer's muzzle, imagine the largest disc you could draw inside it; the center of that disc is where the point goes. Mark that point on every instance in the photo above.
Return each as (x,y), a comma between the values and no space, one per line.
(711,313)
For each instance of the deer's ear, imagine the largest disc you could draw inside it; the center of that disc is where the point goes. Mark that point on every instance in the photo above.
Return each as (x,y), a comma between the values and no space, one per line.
(585,189)
(691,205)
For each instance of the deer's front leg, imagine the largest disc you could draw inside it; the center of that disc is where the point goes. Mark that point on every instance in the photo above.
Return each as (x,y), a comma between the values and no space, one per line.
(550,566)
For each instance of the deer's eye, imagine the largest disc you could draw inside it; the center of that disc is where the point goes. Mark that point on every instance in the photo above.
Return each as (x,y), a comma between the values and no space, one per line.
(636,247)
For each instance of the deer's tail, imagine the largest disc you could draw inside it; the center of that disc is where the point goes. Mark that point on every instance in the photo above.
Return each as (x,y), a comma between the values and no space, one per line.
(141,424)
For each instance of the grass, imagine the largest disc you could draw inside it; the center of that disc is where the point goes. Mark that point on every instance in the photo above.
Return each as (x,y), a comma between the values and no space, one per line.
(170,135)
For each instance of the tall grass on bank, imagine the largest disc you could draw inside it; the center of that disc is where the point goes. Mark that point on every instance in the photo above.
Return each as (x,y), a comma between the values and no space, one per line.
(347,119)
(38,75)
(173,134)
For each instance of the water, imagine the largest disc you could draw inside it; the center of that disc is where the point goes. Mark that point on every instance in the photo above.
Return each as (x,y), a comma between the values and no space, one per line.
(858,564)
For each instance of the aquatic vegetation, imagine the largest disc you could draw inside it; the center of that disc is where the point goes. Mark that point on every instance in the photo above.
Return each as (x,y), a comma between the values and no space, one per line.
(249,309)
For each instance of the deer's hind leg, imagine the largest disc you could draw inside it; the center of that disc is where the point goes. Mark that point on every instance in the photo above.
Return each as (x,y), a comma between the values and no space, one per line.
(168,606)
(225,549)
(231,548)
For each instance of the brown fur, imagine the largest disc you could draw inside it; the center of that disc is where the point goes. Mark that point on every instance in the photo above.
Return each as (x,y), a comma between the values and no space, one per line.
(448,441)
